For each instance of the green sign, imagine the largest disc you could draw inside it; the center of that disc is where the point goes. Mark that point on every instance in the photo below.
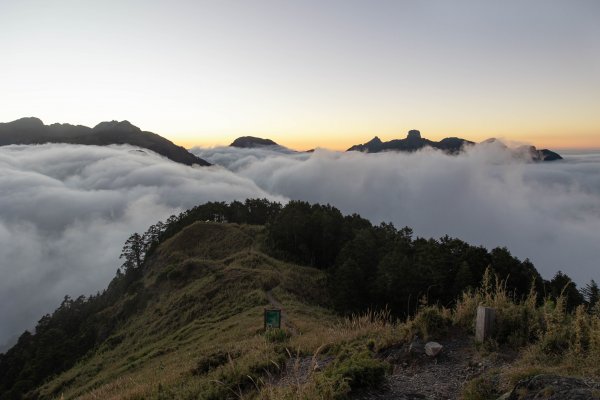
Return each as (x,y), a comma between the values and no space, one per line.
(272,318)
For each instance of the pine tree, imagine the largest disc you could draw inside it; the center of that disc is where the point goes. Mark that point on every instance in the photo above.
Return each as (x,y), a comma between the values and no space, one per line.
(591,294)
(133,252)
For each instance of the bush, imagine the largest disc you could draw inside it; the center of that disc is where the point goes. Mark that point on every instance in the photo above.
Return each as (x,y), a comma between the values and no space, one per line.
(517,325)
(482,388)
(359,370)
(430,322)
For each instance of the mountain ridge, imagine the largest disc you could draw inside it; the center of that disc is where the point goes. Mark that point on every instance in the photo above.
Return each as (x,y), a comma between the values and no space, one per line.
(32,130)
(450,145)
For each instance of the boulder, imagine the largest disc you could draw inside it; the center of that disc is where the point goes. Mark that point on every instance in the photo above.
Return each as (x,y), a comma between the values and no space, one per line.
(553,387)
(432,349)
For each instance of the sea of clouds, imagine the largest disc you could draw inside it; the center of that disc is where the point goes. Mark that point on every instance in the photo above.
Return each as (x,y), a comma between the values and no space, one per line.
(547,212)
(65,210)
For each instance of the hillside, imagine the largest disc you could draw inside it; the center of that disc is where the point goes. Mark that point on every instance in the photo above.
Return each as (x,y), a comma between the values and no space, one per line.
(183,318)
(33,131)
(199,302)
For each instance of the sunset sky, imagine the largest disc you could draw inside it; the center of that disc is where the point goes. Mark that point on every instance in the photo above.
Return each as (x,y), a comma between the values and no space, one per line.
(308,73)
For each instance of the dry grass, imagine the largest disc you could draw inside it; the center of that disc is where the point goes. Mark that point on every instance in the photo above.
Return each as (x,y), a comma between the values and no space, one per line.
(202,301)
(550,339)
(207,303)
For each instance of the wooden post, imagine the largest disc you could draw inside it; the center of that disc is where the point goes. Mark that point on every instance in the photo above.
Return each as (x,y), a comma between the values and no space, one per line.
(484,326)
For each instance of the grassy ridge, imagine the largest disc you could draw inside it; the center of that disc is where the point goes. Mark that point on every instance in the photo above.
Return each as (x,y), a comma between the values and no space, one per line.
(207,289)
(188,325)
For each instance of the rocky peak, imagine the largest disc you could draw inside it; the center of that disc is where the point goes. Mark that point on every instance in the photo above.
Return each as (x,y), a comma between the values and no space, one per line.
(413,134)
(375,141)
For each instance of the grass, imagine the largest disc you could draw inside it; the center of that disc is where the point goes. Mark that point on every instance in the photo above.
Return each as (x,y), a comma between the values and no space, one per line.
(199,333)
(201,302)
(550,340)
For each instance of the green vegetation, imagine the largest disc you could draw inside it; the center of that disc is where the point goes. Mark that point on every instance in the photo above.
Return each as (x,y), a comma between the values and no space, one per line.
(551,339)
(183,316)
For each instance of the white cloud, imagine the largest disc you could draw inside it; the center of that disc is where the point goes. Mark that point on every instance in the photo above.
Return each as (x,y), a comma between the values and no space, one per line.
(65,212)
(548,212)
(235,158)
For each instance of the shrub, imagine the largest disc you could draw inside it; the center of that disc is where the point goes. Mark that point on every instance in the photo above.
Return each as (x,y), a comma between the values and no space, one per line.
(430,322)
(359,370)
(556,337)
(481,388)
(518,323)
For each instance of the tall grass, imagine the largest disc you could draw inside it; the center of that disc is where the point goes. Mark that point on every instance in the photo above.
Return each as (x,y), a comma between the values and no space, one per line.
(549,338)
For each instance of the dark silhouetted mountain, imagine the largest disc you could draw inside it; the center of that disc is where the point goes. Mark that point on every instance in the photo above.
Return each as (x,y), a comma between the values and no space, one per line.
(33,131)
(251,142)
(527,151)
(450,145)
(549,155)
(248,142)
(412,142)
(538,155)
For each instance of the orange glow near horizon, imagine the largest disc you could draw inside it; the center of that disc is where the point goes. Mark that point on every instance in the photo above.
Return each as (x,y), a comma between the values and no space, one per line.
(341,142)
(309,74)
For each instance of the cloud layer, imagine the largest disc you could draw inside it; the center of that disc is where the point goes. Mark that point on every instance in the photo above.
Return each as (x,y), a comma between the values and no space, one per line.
(66,210)
(548,212)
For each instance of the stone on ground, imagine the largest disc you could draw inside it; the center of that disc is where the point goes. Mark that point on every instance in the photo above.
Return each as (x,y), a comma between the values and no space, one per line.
(432,349)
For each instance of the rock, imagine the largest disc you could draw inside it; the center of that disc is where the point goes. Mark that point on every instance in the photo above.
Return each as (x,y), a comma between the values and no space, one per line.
(553,387)
(432,349)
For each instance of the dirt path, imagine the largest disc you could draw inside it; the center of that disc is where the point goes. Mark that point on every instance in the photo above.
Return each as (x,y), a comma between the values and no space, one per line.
(422,377)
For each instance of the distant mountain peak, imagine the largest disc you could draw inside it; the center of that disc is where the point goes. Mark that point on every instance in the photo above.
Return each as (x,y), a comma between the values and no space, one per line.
(450,145)
(251,142)
(412,142)
(121,126)
(413,134)
(375,140)
(28,122)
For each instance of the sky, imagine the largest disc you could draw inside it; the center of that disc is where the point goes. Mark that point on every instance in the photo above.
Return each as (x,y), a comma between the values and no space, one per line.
(308,73)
